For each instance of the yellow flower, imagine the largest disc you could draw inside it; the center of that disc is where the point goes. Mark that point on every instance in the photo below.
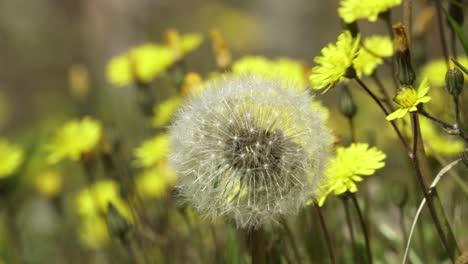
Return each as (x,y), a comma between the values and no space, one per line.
(371,54)
(75,138)
(78,80)
(408,98)
(318,106)
(290,70)
(49,183)
(93,231)
(335,61)
(352,10)
(156,181)
(94,200)
(435,70)
(192,84)
(92,204)
(152,151)
(11,157)
(164,111)
(182,46)
(347,168)
(438,142)
(139,65)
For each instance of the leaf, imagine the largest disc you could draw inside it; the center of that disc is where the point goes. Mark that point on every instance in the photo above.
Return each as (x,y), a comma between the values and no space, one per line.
(458,30)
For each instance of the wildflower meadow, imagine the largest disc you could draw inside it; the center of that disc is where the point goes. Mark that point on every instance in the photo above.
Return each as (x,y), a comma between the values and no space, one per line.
(205,131)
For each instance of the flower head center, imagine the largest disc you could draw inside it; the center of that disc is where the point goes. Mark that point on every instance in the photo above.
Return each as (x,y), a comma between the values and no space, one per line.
(406,97)
(256,150)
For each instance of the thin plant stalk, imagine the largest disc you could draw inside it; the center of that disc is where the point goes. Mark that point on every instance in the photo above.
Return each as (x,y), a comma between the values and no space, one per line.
(292,241)
(388,100)
(407,18)
(387,17)
(433,202)
(421,205)
(379,103)
(440,24)
(364,227)
(257,247)
(350,227)
(326,234)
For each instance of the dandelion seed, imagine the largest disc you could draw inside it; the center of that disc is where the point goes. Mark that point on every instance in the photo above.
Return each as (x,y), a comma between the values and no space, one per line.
(272,153)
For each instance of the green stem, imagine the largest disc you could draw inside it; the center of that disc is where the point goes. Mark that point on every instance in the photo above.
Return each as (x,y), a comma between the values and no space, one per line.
(379,103)
(433,201)
(292,241)
(257,246)
(440,23)
(326,235)
(388,100)
(364,228)
(350,227)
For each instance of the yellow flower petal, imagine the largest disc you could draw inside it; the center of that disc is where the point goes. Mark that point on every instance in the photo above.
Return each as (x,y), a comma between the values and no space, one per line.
(352,10)
(75,138)
(152,151)
(334,62)
(11,157)
(347,168)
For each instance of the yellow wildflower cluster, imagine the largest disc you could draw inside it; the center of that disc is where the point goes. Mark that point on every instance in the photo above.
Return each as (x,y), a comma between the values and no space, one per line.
(164,111)
(435,70)
(156,177)
(11,157)
(92,204)
(75,139)
(352,10)
(49,183)
(154,182)
(152,151)
(290,70)
(141,64)
(370,56)
(348,167)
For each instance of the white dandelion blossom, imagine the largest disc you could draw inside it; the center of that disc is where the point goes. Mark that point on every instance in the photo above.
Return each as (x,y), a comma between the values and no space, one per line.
(249,148)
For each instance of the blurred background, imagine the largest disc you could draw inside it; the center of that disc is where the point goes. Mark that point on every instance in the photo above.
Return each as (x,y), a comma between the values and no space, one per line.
(44,43)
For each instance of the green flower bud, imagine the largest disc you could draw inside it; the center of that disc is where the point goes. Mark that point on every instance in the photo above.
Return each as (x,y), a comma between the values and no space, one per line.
(454,80)
(118,225)
(404,69)
(347,106)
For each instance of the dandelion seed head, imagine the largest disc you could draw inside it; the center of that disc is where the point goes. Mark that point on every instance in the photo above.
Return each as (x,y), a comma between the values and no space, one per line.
(249,148)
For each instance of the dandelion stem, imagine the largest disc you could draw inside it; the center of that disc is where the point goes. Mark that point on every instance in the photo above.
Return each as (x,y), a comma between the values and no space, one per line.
(456,103)
(364,227)
(256,237)
(350,227)
(433,202)
(326,235)
(379,103)
(292,242)
(442,32)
